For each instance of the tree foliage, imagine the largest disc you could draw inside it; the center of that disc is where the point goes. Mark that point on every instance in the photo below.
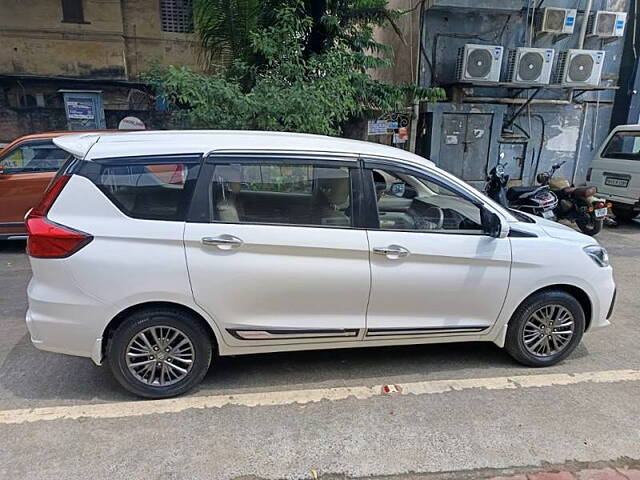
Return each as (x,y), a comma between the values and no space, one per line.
(296,66)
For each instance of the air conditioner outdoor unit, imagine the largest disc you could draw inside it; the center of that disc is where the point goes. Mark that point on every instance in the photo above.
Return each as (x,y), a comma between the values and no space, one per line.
(607,24)
(557,21)
(479,63)
(530,65)
(580,68)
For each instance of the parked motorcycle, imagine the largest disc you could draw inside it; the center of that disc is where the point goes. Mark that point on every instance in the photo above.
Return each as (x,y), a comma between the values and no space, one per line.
(537,200)
(578,204)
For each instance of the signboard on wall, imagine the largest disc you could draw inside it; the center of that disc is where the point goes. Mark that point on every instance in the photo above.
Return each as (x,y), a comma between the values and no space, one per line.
(81,109)
(84,109)
(377,127)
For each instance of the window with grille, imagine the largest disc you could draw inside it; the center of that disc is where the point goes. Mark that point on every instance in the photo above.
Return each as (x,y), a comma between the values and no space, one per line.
(72,11)
(176,16)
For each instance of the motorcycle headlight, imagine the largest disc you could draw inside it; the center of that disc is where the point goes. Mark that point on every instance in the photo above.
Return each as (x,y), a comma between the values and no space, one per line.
(598,254)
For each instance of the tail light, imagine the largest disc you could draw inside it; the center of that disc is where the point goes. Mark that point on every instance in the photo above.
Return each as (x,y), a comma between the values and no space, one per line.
(589,174)
(48,239)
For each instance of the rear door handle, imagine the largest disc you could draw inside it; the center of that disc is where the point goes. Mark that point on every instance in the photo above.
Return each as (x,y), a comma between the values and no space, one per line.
(223,242)
(392,252)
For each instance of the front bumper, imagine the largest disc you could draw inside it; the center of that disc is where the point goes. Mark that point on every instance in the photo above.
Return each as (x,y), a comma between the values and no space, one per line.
(613,303)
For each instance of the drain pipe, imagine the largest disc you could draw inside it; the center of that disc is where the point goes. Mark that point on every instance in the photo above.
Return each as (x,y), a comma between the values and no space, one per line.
(585,21)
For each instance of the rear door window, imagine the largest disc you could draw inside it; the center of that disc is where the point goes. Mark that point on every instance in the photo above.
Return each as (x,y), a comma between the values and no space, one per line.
(154,189)
(281,193)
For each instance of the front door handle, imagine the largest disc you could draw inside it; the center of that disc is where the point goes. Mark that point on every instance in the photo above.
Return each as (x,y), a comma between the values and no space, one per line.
(223,242)
(392,252)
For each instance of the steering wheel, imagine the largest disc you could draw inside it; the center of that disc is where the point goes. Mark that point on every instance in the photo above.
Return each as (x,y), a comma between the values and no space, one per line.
(434,215)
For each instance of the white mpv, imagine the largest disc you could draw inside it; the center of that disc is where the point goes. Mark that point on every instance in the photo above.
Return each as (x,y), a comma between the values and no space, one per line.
(154,252)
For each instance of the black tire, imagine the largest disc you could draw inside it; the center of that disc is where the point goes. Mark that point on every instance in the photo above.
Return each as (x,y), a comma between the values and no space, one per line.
(515,332)
(623,214)
(138,322)
(591,227)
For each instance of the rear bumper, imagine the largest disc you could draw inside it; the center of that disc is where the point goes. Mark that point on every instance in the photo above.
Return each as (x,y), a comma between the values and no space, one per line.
(13,231)
(626,201)
(61,322)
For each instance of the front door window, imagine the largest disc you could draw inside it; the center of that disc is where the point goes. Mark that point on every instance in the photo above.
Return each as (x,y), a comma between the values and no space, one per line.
(413,203)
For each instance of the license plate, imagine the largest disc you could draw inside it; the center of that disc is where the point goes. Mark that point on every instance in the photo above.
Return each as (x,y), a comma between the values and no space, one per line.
(548,214)
(616,182)
(601,212)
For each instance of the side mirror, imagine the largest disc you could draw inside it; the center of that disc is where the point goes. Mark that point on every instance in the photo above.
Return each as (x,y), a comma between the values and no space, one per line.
(491,224)
(398,189)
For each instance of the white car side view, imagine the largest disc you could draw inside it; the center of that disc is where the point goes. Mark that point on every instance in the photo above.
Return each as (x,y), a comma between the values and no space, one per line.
(155,252)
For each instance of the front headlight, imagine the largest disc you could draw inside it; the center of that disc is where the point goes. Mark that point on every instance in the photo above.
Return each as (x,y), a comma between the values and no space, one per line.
(598,254)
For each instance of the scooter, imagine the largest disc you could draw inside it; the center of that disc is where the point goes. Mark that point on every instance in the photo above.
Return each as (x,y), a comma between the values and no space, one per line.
(537,200)
(578,204)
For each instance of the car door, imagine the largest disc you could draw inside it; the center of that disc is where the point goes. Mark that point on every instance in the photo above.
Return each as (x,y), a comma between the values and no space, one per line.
(616,170)
(25,172)
(434,272)
(271,250)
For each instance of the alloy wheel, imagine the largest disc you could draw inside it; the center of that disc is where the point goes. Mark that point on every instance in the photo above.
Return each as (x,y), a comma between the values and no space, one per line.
(548,330)
(160,355)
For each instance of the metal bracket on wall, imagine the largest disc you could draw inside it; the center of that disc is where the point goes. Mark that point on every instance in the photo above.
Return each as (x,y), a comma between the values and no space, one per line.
(509,122)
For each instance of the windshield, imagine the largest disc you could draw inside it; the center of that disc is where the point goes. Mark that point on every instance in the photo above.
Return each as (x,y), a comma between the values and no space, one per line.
(624,145)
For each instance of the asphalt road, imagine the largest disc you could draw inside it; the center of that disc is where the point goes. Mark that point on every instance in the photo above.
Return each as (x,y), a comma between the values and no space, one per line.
(284,415)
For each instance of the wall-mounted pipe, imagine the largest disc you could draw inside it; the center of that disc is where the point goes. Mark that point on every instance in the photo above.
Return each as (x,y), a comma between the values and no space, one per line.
(585,21)
(515,101)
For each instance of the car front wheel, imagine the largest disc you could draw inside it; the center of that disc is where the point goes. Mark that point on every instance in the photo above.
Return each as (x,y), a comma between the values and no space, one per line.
(545,328)
(159,353)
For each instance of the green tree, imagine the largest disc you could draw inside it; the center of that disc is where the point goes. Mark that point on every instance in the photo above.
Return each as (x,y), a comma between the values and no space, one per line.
(306,68)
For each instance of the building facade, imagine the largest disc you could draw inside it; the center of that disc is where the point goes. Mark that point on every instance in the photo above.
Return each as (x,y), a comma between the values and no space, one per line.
(77,63)
(526,93)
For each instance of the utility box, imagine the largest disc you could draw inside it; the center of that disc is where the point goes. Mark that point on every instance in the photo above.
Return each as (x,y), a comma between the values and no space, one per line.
(461,139)
(489,5)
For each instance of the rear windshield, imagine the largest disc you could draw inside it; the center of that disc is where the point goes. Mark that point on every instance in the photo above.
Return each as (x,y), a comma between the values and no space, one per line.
(153,189)
(623,145)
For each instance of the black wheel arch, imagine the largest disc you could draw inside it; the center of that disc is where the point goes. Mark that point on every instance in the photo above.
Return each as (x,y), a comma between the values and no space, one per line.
(121,317)
(576,292)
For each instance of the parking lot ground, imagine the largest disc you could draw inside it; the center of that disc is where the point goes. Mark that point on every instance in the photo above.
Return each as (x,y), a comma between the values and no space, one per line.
(464,411)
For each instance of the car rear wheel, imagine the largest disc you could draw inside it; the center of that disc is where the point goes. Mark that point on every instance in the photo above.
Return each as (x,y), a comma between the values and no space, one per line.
(159,353)
(545,329)
(623,214)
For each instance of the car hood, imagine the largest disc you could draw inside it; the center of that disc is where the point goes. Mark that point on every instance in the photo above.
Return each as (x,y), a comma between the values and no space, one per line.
(563,232)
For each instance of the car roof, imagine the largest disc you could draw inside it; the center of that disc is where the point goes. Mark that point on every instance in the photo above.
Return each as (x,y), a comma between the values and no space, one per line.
(46,136)
(630,128)
(168,142)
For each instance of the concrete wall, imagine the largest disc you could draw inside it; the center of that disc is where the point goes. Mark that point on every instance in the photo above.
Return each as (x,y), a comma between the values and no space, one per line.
(569,132)
(147,43)
(405,49)
(118,41)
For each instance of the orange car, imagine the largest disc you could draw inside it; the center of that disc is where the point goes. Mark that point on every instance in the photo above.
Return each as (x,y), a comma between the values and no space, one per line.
(27,165)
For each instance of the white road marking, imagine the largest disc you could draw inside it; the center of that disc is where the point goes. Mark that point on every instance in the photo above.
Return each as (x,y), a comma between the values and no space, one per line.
(175,405)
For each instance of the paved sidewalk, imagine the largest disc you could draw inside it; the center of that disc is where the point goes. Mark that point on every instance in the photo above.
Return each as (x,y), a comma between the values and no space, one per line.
(608,473)
(622,469)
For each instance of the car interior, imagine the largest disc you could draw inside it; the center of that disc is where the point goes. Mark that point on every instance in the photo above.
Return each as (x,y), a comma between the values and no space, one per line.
(146,191)
(406,202)
(282,194)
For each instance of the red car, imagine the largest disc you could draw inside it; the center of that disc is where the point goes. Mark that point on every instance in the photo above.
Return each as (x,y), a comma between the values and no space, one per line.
(27,165)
